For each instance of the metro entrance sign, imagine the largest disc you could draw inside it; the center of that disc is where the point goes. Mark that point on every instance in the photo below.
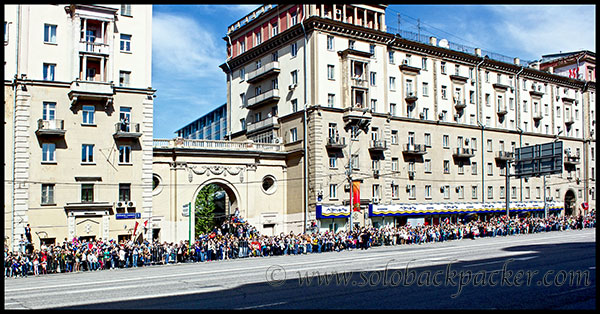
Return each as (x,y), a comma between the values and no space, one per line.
(539,160)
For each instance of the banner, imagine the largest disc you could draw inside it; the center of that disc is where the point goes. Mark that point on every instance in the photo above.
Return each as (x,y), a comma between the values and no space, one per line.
(381,210)
(332,211)
(356,196)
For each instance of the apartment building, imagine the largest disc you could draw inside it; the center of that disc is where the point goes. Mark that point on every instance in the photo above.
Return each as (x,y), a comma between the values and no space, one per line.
(418,123)
(78,121)
(211,126)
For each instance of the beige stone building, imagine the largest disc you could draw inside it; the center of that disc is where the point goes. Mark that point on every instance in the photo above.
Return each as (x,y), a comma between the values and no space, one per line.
(439,123)
(78,121)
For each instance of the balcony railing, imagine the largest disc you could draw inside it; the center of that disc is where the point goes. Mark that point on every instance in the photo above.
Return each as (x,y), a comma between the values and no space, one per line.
(537,116)
(359,81)
(93,47)
(571,159)
(504,156)
(127,130)
(262,124)
(51,128)
(569,121)
(336,142)
(264,98)
(377,145)
(355,115)
(463,152)
(214,145)
(502,110)
(411,96)
(263,72)
(417,149)
(459,104)
(89,90)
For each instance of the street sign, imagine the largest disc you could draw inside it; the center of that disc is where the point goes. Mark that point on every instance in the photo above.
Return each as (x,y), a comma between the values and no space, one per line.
(539,160)
(128,216)
(186,210)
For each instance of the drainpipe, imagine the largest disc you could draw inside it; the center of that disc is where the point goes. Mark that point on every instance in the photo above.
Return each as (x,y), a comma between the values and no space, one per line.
(586,143)
(482,127)
(15,82)
(230,74)
(304,140)
(517,118)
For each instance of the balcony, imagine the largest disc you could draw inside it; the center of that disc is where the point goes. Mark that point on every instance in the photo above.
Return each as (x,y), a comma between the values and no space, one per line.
(463,152)
(127,130)
(263,72)
(268,97)
(571,159)
(569,121)
(91,91)
(336,142)
(411,97)
(459,104)
(50,128)
(356,114)
(359,81)
(504,156)
(459,78)
(405,67)
(500,86)
(502,110)
(414,149)
(537,116)
(270,122)
(536,93)
(377,145)
(93,47)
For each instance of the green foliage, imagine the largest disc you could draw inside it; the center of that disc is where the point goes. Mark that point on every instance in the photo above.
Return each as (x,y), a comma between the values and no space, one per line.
(204,209)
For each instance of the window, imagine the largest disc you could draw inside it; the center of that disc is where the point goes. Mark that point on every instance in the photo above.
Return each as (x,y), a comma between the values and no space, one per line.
(461,168)
(243,123)
(258,63)
(393,109)
(558,111)
(275,56)
(294,105)
(88,114)
(331,100)
(474,168)
(373,76)
(428,191)
(490,192)
(332,161)
(446,166)
(124,154)
(456,69)
(471,71)
(412,192)
(461,192)
(49,111)
(427,165)
(444,92)
(538,193)
(125,43)
(258,38)
(124,192)
(474,192)
(425,113)
(487,100)
(294,49)
(354,161)
(293,134)
(294,77)
(124,78)
(87,193)
(49,71)
(394,136)
(446,191)
(126,9)
(375,164)
(395,191)
(125,118)
(487,76)
(424,64)
(527,192)
(274,29)
(490,145)
(329,43)
(50,34)
(392,83)
(332,191)
(351,44)
(524,105)
(374,105)
(391,57)
(242,46)
(87,153)
(443,67)
(446,141)
(513,192)
(490,169)
(330,72)
(48,152)
(372,49)
(425,89)
(293,19)
(394,164)
(47,194)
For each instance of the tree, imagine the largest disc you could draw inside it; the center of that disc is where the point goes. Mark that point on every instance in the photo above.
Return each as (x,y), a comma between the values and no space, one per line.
(204,209)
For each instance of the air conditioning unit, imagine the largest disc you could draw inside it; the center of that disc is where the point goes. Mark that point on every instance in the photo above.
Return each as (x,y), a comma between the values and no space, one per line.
(441,116)
(422,115)
(292,86)
(457,188)
(131,204)
(119,204)
(375,200)
(456,117)
(346,187)
(442,189)
(411,174)
(557,97)
(466,141)
(405,61)
(277,140)
(408,187)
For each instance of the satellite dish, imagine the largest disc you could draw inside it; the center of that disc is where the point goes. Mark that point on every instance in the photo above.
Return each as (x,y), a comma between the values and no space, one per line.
(444,43)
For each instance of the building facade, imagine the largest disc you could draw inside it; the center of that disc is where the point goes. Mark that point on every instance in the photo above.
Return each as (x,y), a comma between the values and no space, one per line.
(78,121)
(416,122)
(211,126)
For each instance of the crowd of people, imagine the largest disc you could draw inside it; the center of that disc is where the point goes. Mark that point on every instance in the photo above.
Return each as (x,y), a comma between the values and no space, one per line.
(237,239)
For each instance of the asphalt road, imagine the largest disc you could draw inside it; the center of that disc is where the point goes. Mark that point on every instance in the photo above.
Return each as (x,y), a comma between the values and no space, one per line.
(555,270)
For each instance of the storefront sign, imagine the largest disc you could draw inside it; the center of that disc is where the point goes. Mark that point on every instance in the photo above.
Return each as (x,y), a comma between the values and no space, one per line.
(458,208)
(331,211)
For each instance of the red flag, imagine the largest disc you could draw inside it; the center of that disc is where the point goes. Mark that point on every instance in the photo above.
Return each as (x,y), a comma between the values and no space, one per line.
(145,223)
(135,228)
(356,196)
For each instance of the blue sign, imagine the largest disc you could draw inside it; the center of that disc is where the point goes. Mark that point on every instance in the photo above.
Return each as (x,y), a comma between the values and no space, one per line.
(129,216)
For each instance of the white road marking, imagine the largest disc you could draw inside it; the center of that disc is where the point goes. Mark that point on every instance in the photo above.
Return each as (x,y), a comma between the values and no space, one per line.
(259,306)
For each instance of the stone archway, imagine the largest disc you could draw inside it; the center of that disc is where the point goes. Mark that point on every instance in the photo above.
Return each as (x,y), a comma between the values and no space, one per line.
(229,201)
(570,201)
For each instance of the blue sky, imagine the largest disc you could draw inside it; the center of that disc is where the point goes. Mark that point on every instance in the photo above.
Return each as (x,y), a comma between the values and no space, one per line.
(188,46)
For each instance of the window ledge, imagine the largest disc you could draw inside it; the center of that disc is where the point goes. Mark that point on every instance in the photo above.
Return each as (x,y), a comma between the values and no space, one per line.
(50,43)
(88,124)
(88,163)
(48,204)
(49,163)
(125,164)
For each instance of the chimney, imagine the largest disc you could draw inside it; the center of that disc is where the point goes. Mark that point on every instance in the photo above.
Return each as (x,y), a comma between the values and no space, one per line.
(517,61)
(478,52)
(433,41)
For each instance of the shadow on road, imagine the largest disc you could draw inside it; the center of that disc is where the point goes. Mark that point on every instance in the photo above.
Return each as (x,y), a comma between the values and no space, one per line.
(554,276)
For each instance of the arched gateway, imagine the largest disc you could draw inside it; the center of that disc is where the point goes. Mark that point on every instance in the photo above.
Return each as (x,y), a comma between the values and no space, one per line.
(252,175)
